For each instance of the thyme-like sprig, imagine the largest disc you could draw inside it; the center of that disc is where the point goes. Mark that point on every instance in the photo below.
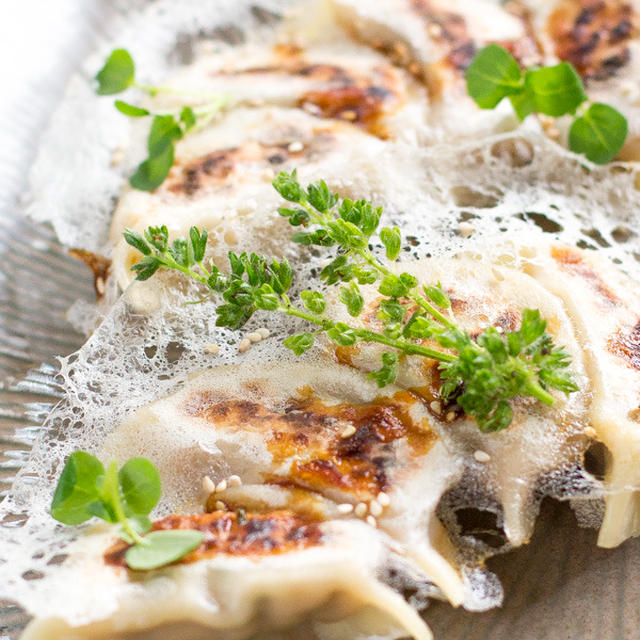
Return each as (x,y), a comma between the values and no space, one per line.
(482,375)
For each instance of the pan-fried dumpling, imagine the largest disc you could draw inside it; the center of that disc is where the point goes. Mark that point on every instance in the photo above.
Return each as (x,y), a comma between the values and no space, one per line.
(602,41)
(604,307)
(307,439)
(437,41)
(324,109)
(540,439)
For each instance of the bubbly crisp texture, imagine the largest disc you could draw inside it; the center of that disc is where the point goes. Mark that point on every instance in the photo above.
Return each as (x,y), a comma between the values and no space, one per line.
(354,503)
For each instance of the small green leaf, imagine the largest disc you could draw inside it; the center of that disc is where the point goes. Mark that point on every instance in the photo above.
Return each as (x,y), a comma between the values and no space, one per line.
(153,171)
(199,242)
(78,489)
(162,548)
(350,296)
(342,335)
(599,133)
(130,109)
(392,241)
(188,118)
(134,239)
(313,301)
(388,373)
(287,185)
(392,286)
(438,296)
(232,316)
(117,73)
(523,103)
(146,267)
(319,196)
(139,485)
(299,343)
(555,90)
(164,131)
(492,75)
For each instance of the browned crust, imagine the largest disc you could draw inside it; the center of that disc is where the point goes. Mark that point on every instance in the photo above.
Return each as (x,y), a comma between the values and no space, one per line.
(312,432)
(593,35)
(627,346)
(231,533)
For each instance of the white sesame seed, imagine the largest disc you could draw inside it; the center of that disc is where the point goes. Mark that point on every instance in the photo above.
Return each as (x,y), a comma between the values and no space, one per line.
(436,407)
(311,108)
(296,146)
(590,432)
(254,336)
(500,329)
(208,484)
(244,345)
(383,499)
(264,332)
(371,521)
(465,229)
(345,508)
(220,506)
(481,456)
(221,486)
(100,288)
(451,416)
(348,432)
(361,510)
(434,29)
(375,508)
(234,481)
(213,349)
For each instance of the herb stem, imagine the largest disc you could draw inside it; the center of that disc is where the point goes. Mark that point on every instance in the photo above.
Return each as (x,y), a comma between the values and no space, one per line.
(111,488)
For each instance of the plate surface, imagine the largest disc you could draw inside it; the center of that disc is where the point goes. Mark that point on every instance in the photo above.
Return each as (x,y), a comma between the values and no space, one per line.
(560,587)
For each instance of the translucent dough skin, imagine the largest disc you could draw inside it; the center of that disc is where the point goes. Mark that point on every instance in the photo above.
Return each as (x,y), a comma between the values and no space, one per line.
(605,308)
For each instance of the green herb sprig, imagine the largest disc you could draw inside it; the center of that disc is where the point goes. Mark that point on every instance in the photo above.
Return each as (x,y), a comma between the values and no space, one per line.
(482,375)
(125,497)
(598,130)
(118,75)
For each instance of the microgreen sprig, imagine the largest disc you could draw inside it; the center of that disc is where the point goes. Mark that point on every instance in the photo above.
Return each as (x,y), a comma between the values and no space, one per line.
(125,497)
(482,375)
(598,130)
(118,75)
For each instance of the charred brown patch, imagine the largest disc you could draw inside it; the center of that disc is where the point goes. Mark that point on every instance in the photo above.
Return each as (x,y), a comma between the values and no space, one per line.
(346,445)
(593,35)
(627,346)
(363,106)
(99,265)
(214,168)
(573,261)
(450,30)
(228,533)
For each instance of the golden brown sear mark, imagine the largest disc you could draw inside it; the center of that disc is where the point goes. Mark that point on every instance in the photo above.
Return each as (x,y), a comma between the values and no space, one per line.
(573,262)
(627,346)
(229,533)
(593,35)
(215,168)
(450,30)
(313,433)
(363,106)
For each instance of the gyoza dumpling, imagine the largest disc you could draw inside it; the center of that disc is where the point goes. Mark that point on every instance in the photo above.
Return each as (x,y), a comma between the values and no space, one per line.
(604,308)
(540,439)
(306,439)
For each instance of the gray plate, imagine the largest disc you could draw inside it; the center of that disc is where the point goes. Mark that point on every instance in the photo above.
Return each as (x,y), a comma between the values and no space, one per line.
(560,587)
